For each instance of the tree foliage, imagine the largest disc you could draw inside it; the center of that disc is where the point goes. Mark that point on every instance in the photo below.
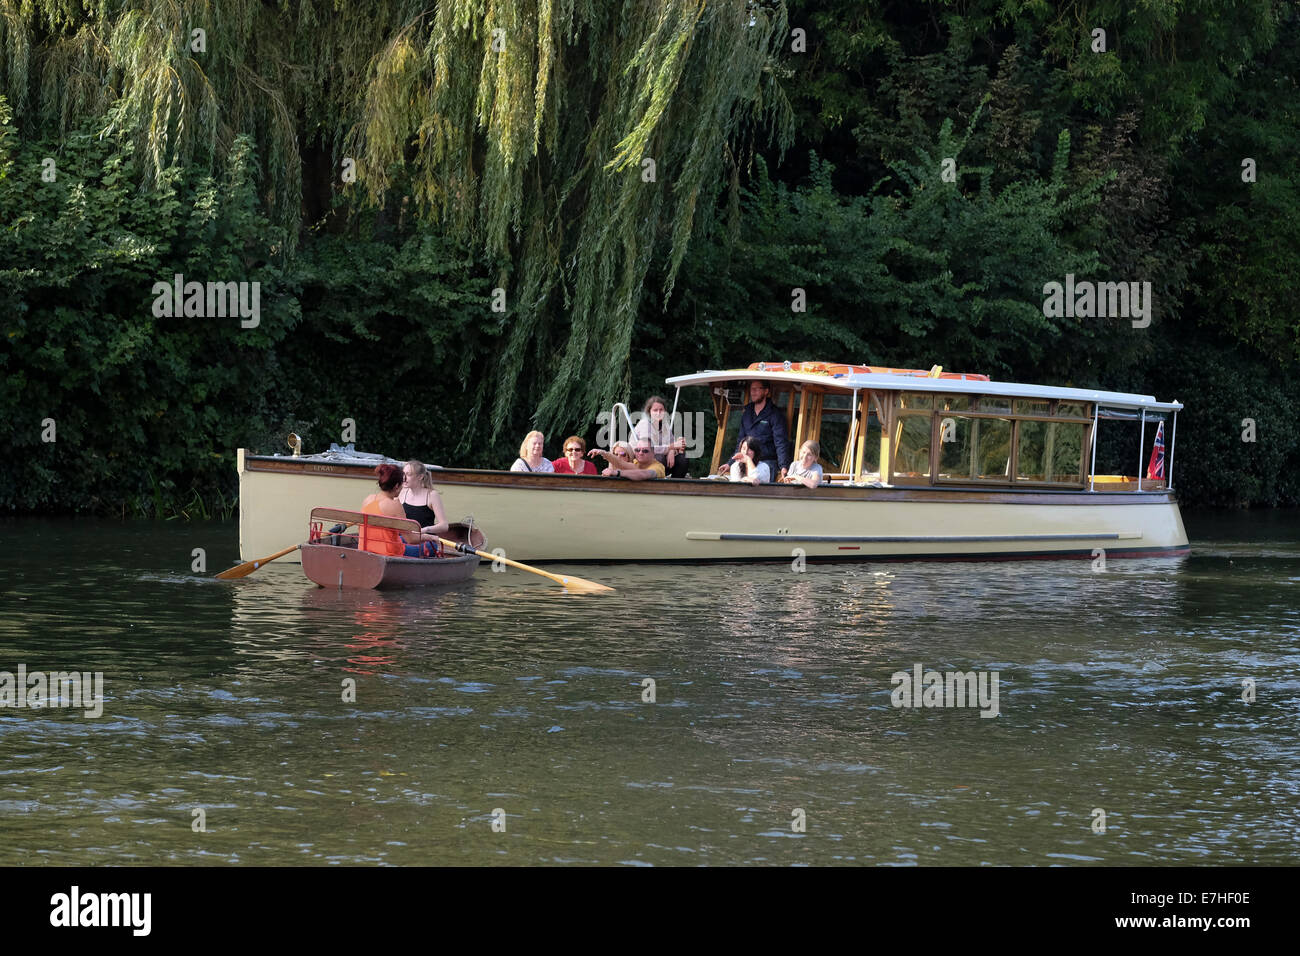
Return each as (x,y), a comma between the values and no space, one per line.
(502,144)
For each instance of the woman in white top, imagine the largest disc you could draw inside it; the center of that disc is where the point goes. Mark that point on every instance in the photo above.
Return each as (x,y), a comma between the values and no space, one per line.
(744,468)
(530,454)
(804,470)
(655,428)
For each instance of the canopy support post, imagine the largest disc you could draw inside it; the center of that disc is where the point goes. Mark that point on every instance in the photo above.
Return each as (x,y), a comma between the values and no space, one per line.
(1142,440)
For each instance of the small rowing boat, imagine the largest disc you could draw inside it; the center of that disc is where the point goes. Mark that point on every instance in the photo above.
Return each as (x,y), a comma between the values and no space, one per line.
(333,560)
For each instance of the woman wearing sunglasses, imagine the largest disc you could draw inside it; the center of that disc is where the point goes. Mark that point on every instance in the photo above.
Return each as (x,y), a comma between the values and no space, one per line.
(574,462)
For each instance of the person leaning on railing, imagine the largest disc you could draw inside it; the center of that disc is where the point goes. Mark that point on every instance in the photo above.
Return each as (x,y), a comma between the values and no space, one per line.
(641,467)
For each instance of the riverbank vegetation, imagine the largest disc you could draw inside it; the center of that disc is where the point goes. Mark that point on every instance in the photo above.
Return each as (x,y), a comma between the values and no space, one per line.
(467,219)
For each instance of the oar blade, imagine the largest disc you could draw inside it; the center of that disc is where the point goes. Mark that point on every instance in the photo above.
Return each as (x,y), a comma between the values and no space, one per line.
(240,571)
(582,585)
(248,567)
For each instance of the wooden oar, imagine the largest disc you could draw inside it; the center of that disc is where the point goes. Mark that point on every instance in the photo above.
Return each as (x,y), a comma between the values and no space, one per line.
(248,567)
(572,583)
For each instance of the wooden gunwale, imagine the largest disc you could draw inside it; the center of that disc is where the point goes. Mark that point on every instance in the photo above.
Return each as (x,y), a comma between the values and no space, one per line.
(698,487)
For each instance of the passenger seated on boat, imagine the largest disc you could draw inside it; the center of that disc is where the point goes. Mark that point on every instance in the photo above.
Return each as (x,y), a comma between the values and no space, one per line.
(670,451)
(641,467)
(762,421)
(573,463)
(384,502)
(421,501)
(743,467)
(530,454)
(805,470)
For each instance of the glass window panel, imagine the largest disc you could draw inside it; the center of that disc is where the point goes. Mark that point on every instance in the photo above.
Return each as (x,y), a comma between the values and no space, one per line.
(871,453)
(952,403)
(912,457)
(834,433)
(917,400)
(955,435)
(1032,440)
(1074,410)
(1032,407)
(993,403)
(992,444)
(1065,456)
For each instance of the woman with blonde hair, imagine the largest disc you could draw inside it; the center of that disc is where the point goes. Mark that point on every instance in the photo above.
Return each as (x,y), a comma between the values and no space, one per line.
(804,470)
(421,501)
(530,454)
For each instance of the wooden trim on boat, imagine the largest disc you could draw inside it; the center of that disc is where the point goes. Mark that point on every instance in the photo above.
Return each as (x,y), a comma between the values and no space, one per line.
(715,488)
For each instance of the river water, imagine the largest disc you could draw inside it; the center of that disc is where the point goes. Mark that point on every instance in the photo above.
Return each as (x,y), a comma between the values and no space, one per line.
(507,722)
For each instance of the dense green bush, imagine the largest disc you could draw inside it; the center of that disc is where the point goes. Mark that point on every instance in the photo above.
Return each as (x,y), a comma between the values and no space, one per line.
(1123,165)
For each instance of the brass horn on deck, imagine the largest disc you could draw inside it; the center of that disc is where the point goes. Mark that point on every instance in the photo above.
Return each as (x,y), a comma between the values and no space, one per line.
(296,444)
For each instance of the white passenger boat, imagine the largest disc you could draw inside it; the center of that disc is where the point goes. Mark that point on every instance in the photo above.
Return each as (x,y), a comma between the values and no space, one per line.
(921,465)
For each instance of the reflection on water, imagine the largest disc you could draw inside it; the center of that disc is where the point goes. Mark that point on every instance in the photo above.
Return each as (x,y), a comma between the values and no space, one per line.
(1120,690)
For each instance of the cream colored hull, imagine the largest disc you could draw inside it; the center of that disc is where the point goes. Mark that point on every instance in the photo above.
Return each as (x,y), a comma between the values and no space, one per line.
(559,518)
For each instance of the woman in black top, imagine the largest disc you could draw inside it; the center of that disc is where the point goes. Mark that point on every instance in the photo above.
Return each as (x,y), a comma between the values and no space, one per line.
(421,502)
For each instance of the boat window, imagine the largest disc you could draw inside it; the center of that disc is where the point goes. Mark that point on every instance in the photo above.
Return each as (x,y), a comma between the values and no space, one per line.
(1066,461)
(1073,410)
(1032,407)
(835,427)
(955,448)
(995,403)
(952,403)
(912,457)
(974,449)
(871,450)
(917,400)
(993,449)
(1049,452)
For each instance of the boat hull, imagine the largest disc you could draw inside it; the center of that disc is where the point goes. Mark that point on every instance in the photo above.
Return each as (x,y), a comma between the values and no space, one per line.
(542,517)
(333,566)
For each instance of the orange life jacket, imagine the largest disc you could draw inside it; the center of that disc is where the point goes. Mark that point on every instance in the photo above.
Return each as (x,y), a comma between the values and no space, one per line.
(379,540)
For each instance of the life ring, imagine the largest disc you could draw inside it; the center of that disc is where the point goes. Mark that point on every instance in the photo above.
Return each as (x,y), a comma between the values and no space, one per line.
(832,369)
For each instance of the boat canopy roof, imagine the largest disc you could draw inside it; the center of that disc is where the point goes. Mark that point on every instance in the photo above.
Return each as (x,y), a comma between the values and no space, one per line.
(849,381)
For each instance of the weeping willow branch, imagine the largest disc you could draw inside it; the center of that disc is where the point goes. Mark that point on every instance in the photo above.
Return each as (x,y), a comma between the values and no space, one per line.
(578,143)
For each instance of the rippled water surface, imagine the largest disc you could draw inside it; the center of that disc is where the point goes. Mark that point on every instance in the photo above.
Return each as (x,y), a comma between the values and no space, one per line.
(1118,691)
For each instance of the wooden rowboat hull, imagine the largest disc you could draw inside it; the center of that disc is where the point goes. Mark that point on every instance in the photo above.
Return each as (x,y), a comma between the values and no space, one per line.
(334,566)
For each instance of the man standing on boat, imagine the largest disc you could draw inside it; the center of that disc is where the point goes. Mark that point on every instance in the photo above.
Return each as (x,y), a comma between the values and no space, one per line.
(764,423)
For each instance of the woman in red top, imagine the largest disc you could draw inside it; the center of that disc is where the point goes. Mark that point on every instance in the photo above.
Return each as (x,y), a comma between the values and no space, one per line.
(384,502)
(574,461)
